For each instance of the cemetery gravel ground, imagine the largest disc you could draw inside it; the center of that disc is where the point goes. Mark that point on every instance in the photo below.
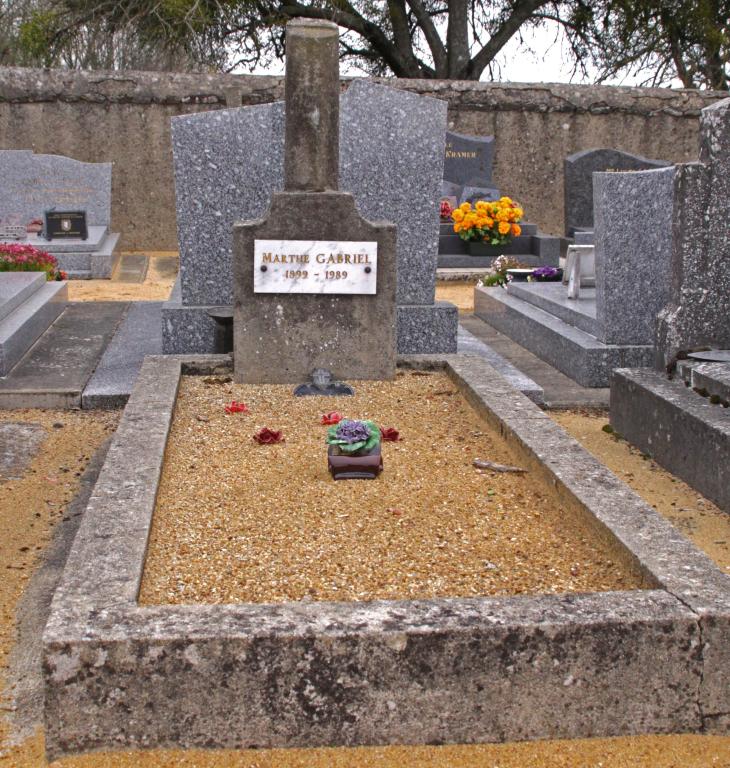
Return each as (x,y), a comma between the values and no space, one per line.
(31,506)
(695,516)
(239,522)
(459,293)
(157,284)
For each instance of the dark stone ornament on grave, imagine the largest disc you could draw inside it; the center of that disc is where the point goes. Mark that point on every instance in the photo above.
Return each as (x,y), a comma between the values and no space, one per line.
(354,450)
(323,385)
(65,224)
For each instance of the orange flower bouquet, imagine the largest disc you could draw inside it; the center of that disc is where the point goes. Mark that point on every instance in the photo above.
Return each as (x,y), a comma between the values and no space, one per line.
(494,223)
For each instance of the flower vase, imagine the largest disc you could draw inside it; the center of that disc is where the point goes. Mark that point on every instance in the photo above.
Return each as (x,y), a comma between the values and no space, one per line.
(363,465)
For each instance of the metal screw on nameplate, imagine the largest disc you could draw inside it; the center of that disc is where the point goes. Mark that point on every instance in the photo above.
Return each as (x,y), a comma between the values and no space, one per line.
(322,384)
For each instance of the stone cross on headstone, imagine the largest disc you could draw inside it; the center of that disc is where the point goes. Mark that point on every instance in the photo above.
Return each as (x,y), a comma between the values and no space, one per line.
(314,283)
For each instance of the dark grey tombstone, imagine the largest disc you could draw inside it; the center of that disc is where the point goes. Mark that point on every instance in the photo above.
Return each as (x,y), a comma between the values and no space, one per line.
(578,172)
(698,312)
(468,164)
(468,159)
(633,240)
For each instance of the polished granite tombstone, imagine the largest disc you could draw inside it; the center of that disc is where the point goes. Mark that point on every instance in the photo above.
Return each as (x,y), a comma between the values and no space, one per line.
(379,148)
(468,164)
(33,184)
(578,170)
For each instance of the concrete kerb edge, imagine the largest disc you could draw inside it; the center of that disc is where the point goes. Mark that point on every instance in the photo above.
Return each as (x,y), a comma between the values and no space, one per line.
(99,644)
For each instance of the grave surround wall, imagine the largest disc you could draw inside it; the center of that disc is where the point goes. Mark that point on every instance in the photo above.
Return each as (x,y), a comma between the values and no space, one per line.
(428,671)
(124,117)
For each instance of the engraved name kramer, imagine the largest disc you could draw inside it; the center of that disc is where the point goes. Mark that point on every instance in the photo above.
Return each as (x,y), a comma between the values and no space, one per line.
(320,258)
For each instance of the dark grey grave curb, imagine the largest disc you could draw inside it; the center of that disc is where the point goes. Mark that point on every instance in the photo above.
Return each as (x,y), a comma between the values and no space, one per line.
(118,674)
(576,353)
(685,432)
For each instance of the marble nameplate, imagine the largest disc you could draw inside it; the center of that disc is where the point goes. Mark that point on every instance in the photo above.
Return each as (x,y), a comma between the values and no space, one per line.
(315,266)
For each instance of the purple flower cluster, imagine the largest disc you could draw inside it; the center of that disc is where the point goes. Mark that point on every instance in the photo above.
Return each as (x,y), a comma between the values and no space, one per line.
(544,272)
(352,431)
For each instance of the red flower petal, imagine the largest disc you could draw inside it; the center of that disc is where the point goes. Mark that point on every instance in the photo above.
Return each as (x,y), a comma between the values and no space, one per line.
(333,417)
(266,436)
(390,434)
(236,407)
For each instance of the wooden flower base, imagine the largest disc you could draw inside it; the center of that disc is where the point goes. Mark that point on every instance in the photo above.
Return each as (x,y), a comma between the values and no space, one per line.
(345,466)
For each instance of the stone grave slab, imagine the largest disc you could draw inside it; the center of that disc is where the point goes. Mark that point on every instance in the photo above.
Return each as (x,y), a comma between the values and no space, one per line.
(34,183)
(54,371)
(314,282)
(378,148)
(213,191)
(33,305)
(19,442)
(388,139)
(578,170)
(16,287)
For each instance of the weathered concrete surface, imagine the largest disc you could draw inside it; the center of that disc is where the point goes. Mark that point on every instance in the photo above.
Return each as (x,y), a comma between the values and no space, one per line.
(54,371)
(713,378)
(683,431)
(382,672)
(311,94)
(353,336)
(23,675)
(18,445)
(102,116)
(469,344)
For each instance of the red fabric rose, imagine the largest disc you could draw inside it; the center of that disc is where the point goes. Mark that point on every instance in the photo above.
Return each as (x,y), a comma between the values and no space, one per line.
(390,434)
(236,407)
(333,417)
(266,436)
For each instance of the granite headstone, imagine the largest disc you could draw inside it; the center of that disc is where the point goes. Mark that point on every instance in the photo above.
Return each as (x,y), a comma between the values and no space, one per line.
(32,184)
(391,160)
(229,162)
(578,181)
(698,311)
(633,243)
(468,164)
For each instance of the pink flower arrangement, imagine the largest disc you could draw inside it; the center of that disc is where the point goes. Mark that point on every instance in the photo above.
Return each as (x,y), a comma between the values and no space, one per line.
(26,258)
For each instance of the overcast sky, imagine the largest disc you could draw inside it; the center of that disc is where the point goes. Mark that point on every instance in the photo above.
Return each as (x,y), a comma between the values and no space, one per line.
(543,57)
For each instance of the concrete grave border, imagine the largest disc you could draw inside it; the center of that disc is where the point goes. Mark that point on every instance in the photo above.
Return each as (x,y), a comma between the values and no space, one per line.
(428,671)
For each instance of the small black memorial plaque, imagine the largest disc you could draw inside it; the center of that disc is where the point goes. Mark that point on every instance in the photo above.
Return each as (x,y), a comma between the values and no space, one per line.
(65,224)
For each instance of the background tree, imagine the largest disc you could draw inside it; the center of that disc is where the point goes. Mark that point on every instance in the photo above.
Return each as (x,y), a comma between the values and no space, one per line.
(458,39)
(660,41)
(655,41)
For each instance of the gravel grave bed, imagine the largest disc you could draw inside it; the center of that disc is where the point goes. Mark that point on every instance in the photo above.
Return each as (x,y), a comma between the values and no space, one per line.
(240,522)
